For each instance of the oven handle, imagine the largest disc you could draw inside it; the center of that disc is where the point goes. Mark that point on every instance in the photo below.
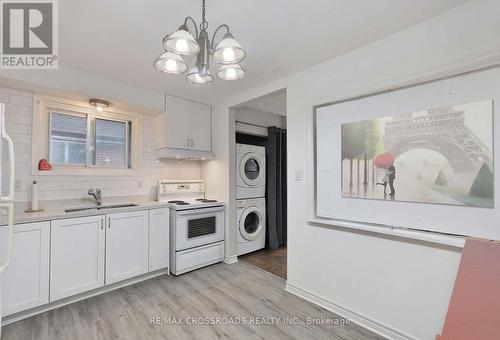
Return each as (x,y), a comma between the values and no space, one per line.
(199,211)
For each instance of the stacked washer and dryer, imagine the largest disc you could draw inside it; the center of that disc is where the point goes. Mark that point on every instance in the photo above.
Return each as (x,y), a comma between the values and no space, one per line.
(250,197)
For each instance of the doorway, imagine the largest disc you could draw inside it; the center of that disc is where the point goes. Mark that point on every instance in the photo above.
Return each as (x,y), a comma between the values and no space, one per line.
(260,127)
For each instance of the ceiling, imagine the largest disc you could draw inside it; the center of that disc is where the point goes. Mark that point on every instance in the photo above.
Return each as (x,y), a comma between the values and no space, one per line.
(274,103)
(120,39)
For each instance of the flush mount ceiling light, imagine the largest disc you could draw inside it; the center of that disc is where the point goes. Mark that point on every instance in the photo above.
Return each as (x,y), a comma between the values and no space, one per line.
(99,104)
(227,52)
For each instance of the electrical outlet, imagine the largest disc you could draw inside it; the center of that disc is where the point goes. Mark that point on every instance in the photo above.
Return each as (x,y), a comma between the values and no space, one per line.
(19,185)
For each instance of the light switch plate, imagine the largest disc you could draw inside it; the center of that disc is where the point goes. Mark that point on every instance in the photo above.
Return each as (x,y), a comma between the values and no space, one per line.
(298,175)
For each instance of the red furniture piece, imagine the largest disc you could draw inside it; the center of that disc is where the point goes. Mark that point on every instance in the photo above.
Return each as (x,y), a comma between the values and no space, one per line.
(474,310)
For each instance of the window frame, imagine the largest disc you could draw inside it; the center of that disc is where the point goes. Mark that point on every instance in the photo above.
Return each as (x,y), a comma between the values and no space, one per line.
(43,106)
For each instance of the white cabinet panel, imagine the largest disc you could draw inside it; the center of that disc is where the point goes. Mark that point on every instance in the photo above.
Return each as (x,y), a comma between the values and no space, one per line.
(200,126)
(176,133)
(127,243)
(77,256)
(158,239)
(184,130)
(25,282)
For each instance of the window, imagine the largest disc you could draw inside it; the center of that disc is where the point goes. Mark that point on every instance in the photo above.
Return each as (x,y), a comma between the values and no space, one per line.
(104,144)
(76,139)
(111,144)
(68,138)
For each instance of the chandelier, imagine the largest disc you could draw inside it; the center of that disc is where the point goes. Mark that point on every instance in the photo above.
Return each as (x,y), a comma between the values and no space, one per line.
(228,53)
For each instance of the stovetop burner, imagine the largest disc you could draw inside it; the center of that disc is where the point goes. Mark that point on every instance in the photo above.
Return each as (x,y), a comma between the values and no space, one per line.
(177,202)
(209,201)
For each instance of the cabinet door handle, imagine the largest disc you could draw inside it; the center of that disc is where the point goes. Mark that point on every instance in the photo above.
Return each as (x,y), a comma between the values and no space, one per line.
(102,223)
(187,142)
(192,142)
(109,222)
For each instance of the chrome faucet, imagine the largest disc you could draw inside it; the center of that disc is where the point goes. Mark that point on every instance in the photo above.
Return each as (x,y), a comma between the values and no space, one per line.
(97,194)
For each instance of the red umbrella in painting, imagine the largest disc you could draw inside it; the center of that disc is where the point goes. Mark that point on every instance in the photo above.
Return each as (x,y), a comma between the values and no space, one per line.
(384,160)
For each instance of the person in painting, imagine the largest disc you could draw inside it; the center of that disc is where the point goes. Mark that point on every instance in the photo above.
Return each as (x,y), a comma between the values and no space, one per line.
(385,180)
(392,177)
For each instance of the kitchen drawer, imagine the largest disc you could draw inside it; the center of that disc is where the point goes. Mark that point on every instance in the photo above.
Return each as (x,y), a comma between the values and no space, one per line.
(191,259)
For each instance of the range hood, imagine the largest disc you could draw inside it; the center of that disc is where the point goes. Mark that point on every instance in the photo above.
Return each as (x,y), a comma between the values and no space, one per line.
(170,153)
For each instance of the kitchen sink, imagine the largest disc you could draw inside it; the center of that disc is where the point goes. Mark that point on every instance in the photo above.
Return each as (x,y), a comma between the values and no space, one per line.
(78,209)
(111,206)
(114,206)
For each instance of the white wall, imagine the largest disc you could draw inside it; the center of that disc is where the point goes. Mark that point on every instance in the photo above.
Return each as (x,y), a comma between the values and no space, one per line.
(400,287)
(19,113)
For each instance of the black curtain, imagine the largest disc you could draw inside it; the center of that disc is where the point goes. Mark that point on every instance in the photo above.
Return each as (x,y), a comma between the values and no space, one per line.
(276,188)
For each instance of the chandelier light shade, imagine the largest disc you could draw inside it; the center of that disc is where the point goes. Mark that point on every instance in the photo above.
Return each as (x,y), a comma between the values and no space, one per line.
(230,72)
(229,51)
(170,63)
(181,42)
(196,43)
(196,77)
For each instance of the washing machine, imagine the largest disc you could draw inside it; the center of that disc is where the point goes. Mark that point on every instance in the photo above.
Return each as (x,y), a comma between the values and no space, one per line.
(250,171)
(251,224)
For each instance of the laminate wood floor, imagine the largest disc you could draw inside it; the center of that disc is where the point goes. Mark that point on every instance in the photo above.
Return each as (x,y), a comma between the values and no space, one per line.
(270,260)
(242,297)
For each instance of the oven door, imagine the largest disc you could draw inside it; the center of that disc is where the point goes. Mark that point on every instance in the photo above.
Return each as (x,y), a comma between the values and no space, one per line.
(198,227)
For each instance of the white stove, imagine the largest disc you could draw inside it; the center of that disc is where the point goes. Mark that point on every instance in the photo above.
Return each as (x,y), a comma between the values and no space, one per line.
(196,225)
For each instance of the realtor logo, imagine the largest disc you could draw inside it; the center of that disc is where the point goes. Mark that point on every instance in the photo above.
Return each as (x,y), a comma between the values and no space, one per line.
(29,34)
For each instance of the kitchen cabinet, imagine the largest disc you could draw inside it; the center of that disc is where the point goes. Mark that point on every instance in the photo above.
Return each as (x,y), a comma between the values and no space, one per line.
(200,126)
(77,250)
(176,121)
(127,245)
(158,239)
(184,130)
(25,282)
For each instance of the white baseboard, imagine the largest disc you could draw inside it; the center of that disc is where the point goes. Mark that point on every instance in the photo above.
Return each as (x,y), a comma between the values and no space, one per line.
(362,320)
(231,259)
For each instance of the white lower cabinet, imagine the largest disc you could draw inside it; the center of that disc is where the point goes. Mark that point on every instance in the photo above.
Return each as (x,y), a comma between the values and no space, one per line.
(62,258)
(127,245)
(77,251)
(159,239)
(25,282)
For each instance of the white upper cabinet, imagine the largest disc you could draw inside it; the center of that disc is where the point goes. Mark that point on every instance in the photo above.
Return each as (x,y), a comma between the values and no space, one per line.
(127,245)
(176,122)
(184,130)
(25,282)
(77,249)
(200,116)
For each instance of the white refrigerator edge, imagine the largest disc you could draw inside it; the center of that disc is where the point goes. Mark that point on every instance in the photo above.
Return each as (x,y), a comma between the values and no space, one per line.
(6,202)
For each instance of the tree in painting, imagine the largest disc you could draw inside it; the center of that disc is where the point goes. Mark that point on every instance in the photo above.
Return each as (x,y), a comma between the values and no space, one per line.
(363,143)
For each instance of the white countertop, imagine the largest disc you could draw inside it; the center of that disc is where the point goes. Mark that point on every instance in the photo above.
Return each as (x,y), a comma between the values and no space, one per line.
(54,210)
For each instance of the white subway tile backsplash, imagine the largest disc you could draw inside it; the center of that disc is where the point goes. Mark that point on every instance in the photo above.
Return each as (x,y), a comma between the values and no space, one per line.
(59,195)
(4,98)
(15,92)
(21,100)
(19,126)
(19,109)
(19,119)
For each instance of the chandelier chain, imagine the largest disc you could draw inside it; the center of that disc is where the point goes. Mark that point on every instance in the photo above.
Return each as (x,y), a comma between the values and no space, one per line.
(204,23)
